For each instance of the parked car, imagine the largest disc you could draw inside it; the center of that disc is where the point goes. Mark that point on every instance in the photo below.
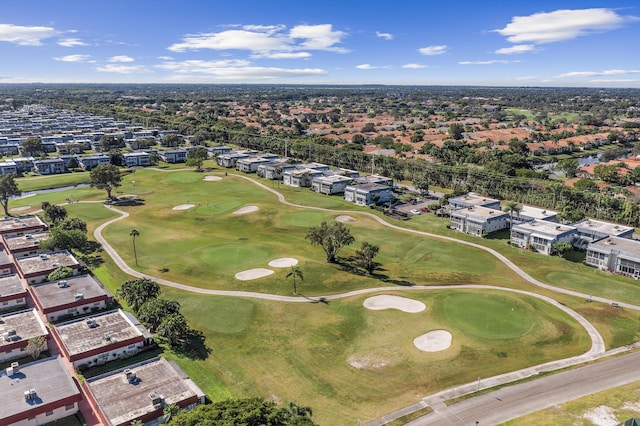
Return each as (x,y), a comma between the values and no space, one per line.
(415,211)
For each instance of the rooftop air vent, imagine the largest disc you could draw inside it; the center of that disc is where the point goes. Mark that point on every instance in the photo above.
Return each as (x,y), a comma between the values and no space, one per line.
(78,296)
(92,323)
(29,237)
(63,284)
(44,257)
(156,399)
(107,336)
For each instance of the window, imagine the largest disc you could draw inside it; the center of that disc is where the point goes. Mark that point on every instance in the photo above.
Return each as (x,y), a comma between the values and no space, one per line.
(5,303)
(70,407)
(49,413)
(21,300)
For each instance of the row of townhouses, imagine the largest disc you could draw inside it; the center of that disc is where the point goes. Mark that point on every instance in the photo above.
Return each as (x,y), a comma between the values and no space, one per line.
(608,246)
(74,319)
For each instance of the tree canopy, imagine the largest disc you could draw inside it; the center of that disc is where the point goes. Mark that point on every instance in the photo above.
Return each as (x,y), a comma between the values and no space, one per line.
(137,292)
(331,237)
(8,188)
(106,177)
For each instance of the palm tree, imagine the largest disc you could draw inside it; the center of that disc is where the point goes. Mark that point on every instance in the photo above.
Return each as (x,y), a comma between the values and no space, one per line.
(512,207)
(170,411)
(134,233)
(295,272)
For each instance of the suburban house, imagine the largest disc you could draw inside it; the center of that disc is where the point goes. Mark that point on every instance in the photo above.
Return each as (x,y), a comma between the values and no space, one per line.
(251,164)
(13,293)
(23,164)
(20,225)
(98,339)
(173,155)
(35,269)
(25,245)
(50,166)
(369,193)
(540,235)
(472,199)
(141,391)
(16,329)
(133,159)
(478,221)
(74,296)
(300,177)
(590,230)
(91,161)
(38,393)
(330,185)
(274,169)
(8,168)
(615,254)
(529,213)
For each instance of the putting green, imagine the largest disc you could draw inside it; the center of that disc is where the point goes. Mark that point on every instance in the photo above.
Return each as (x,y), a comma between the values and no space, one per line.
(487,316)
(304,218)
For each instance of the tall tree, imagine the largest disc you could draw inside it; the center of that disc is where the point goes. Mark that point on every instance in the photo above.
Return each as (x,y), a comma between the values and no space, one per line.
(153,311)
(295,272)
(366,256)
(331,238)
(569,166)
(106,177)
(512,207)
(173,329)
(136,292)
(134,233)
(54,214)
(32,146)
(8,188)
(35,346)
(456,131)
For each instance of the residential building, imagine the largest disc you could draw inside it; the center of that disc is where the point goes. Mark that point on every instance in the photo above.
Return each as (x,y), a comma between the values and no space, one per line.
(50,166)
(376,179)
(230,159)
(6,262)
(134,159)
(20,225)
(529,213)
(590,230)
(540,235)
(478,221)
(251,164)
(274,169)
(217,150)
(616,254)
(173,155)
(38,393)
(141,391)
(330,185)
(35,269)
(13,293)
(73,296)
(472,199)
(300,177)
(8,168)
(91,161)
(26,244)
(16,328)
(98,339)
(369,193)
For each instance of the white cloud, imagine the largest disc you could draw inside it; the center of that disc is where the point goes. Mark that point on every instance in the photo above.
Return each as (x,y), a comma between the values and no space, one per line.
(199,66)
(282,55)
(414,66)
(121,58)
(123,69)
(371,67)
(73,58)
(433,50)
(386,36)
(71,42)
(597,73)
(491,62)
(267,41)
(166,58)
(549,27)
(615,81)
(25,36)
(518,48)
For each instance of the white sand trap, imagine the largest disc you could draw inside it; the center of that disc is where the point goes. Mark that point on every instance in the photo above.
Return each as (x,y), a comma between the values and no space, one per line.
(252,274)
(283,262)
(184,207)
(18,209)
(433,341)
(386,301)
(246,209)
(345,218)
(212,178)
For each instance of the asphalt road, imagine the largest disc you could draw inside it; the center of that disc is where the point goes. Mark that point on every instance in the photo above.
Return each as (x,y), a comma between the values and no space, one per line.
(517,400)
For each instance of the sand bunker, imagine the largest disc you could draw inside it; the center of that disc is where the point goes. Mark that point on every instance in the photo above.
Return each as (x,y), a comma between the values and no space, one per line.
(283,262)
(385,301)
(433,341)
(18,209)
(184,207)
(252,274)
(212,178)
(345,218)
(246,209)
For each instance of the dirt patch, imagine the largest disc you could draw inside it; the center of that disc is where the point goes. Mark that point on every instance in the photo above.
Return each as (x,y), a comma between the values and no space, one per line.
(184,207)
(246,209)
(283,262)
(19,209)
(212,178)
(433,341)
(253,274)
(601,415)
(367,362)
(386,301)
(345,218)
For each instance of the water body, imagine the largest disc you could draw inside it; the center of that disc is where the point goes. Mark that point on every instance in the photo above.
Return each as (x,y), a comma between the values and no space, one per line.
(582,161)
(47,191)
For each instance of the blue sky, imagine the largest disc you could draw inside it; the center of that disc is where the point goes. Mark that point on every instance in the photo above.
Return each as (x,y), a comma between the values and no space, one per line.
(422,42)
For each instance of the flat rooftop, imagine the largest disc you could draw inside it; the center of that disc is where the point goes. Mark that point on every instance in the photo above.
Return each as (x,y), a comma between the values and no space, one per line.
(544,227)
(46,262)
(334,178)
(592,225)
(78,337)
(25,242)
(16,224)
(59,293)
(623,245)
(10,285)
(535,212)
(48,377)
(5,259)
(478,212)
(27,325)
(473,199)
(121,401)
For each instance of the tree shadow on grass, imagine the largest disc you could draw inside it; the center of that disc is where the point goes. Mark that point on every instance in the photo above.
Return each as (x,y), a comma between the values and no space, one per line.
(193,346)
(350,265)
